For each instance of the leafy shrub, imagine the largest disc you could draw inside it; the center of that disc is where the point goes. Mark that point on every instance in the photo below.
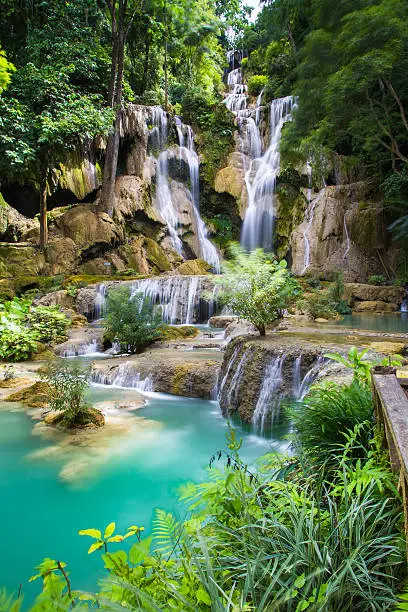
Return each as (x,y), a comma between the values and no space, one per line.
(23,326)
(377,279)
(314,283)
(318,305)
(323,420)
(336,294)
(131,320)
(48,323)
(17,344)
(257,287)
(68,381)
(256,84)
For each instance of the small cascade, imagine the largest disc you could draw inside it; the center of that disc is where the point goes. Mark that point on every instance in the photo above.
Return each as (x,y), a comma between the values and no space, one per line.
(221,384)
(348,244)
(234,385)
(404,305)
(91,348)
(180,297)
(100,302)
(301,386)
(268,406)
(260,179)
(158,139)
(125,376)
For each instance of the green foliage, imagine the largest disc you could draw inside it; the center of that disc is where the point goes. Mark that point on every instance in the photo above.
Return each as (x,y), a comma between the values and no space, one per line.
(8,603)
(329,413)
(6,69)
(131,320)
(23,326)
(257,287)
(48,323)
(318,305)
(256,84)
(377,279)
(68,381)
(360,365)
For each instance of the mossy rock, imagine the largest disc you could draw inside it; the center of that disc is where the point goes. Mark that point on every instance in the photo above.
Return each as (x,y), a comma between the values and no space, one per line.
(87,420)
(179,333)
(194,267)
(34,396)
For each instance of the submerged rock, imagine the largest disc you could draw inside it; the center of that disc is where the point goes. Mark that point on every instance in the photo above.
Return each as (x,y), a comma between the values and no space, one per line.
(91,418)
(34,396)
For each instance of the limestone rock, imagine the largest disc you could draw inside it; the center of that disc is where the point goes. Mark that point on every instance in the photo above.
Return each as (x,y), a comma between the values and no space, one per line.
(231,179)
(132,196)
(21,259)
(145,256)
(88,228)
(239,327)
(369,293)
(56,298)
(389,348)
(194,267)
(375,306)
(13,225)
(222,321)
(345,232)
(35,396)
(61,255)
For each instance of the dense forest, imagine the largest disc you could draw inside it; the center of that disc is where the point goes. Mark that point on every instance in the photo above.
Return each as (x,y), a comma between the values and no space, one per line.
(203,305)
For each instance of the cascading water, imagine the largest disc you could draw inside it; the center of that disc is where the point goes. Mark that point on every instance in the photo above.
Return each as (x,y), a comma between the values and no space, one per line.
(208,251)
(125,376)
(91,348)
(301,386)
(268,404)
(100,302)
(180,297)
(348,243)
(404,305)
(260,176)
(260,179)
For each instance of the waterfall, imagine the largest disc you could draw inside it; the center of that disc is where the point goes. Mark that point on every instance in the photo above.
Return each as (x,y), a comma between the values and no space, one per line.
(301,386)
(208,251)
(268,404)
(234,385)
(404,305)
(260,179)
(91,348)
(124,376)
(100,302)
(178,296)
(347,237)
(221,385)
(163,201)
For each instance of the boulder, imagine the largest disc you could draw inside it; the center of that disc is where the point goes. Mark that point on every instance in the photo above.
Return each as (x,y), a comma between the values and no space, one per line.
(61,255)
(56,298)
(132,195)
(375,306)
(389,348)
(21,259)
(194,267)
(231,180)
(371,293)
(145,256)
(239,327)
(34,396)
(222,321)
(88,228)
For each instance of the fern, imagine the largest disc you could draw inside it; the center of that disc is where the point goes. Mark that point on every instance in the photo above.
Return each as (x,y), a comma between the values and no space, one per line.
(167,532)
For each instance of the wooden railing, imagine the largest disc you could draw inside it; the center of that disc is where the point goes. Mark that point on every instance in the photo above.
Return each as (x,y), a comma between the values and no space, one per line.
(391,412)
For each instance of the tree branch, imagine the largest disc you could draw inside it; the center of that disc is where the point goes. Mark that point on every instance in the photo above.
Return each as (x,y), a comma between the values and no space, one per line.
(399,103)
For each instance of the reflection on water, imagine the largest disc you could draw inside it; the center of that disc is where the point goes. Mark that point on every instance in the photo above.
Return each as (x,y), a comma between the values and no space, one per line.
(51,488)
(393,322)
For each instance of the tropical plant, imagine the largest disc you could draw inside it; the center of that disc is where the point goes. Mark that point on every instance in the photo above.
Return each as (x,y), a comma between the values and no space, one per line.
(330,411)
(131,320)
(377,279)
(68,386)
(48,323)
(318,305)
(360,365)
(256,84)
(257,287)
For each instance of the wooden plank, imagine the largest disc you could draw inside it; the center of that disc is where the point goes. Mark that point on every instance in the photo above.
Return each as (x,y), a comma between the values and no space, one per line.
(394,405)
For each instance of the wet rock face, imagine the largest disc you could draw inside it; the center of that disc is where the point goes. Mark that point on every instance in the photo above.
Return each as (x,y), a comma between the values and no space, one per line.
(184,376)
(346,230)
(243,370)
(364,292)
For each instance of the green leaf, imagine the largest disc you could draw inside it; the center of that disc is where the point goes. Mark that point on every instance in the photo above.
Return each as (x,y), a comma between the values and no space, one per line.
(92,533)
(116,538)
(203,596)
(140,551)
(300,581)
(109,530)
(94,546)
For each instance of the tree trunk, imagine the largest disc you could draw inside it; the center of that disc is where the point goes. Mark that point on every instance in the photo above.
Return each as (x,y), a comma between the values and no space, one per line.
(43,213)
(146,62)
(110,168)
(292,41)
(261,329)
